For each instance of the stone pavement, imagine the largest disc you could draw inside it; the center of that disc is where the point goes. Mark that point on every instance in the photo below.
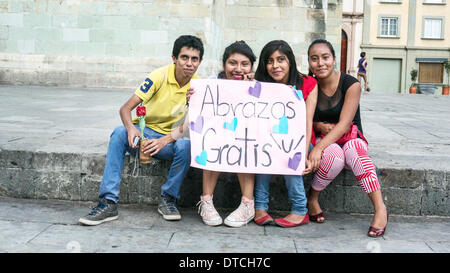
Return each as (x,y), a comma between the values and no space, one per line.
(28,225)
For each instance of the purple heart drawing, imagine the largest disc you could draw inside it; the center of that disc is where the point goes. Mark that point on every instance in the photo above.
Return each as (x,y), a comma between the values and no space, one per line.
(255,91)
(197,126)
(295,161)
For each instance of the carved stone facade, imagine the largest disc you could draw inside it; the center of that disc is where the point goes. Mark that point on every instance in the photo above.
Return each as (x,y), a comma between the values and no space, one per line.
(115,43)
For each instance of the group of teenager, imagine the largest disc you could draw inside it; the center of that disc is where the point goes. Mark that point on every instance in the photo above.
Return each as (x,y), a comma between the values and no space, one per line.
(332,110)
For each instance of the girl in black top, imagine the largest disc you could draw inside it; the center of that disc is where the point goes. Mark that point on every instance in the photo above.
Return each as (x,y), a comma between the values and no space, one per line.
(336,112)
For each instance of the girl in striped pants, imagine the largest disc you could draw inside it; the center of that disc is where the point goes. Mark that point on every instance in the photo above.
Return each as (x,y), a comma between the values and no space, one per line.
(352,155)
(336,112)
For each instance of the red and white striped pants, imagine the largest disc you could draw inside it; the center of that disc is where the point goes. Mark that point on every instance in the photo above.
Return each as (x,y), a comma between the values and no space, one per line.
(352,155)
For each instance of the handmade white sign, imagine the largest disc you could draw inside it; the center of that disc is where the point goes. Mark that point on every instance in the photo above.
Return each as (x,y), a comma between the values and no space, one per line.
(247,127)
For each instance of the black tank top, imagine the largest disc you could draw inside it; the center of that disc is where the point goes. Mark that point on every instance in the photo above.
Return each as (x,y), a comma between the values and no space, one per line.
(329,109)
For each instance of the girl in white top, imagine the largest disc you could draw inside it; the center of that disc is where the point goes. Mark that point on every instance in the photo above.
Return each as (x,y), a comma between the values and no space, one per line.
(238,60)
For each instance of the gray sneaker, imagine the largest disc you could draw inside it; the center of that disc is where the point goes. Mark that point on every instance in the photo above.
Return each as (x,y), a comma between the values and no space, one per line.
(103,212)
(167,207)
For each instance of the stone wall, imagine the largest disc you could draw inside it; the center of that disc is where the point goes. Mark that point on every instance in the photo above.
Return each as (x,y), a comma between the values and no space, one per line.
(70,176)
(115,43)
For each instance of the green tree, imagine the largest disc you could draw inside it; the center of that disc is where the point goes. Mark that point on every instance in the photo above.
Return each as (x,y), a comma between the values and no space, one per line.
(447,69)
(413,77)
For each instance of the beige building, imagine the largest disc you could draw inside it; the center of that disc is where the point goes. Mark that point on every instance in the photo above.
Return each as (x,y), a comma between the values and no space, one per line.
(399,36)
(352,25)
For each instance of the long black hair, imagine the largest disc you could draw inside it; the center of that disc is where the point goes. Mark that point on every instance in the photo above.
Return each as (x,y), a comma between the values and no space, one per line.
(237,47)
(295,77)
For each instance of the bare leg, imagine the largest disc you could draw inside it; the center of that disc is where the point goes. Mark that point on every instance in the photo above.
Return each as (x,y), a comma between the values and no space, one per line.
(247,182)
(380,217)
(313,204)
(366,84)
(365,80)
(209,182)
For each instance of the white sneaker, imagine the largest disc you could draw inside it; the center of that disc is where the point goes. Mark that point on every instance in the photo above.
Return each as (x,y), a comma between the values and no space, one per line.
(209,214)
(242,215)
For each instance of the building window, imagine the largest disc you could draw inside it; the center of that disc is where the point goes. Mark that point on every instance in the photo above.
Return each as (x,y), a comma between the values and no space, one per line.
(433,28)
(389,27)
(390,1)
(431,72)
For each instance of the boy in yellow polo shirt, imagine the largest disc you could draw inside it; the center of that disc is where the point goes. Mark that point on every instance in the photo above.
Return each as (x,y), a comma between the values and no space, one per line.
(163,93)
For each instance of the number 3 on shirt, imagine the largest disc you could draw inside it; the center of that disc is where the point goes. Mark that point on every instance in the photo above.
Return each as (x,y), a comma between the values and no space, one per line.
(146,85)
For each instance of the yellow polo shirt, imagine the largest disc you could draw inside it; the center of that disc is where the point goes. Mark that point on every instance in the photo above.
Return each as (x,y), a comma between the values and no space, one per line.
(164,99)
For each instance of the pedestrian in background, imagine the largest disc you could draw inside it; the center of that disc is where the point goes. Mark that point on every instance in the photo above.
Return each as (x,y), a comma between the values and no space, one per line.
(362,71)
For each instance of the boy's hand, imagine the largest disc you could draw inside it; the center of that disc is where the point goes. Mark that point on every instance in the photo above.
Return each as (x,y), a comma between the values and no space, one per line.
(153,146)
(132,133)
(189,93)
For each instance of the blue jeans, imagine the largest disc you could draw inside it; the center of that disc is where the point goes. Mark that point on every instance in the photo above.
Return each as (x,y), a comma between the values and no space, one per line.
(294,185)
(179,152)
(296,193)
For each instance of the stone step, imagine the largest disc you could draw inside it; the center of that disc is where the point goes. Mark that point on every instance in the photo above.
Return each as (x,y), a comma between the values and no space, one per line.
(77,177)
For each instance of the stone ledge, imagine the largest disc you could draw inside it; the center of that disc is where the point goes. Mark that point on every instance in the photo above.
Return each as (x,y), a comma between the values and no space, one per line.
(76,177)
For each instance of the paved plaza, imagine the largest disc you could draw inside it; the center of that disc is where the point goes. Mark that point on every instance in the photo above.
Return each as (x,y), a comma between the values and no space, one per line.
(406,132)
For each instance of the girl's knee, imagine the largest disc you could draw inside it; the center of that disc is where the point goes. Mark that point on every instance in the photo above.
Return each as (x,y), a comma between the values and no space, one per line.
(355,147)
(333,155)
(333,149)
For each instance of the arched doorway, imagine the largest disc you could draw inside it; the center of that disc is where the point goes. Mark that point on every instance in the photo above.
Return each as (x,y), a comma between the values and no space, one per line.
(344,43)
